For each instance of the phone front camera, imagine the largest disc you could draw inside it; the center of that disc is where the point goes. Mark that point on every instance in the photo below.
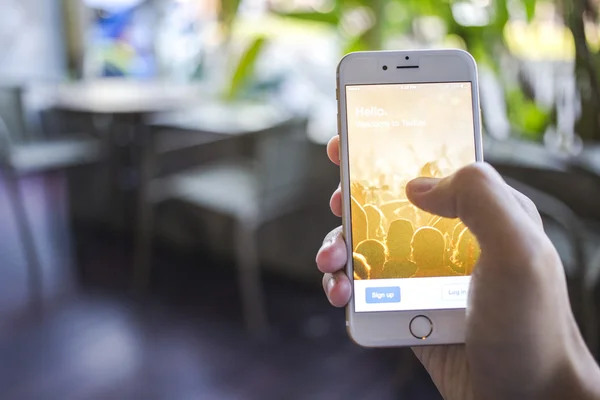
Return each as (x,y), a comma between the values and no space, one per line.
(385,67)
(407,57)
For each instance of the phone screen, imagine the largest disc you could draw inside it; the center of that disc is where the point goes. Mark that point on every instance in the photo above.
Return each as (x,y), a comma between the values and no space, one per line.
(403,257)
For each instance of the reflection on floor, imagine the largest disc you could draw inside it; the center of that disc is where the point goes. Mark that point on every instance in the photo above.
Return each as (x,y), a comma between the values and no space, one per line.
(95,349)
(185,341)
(45,205)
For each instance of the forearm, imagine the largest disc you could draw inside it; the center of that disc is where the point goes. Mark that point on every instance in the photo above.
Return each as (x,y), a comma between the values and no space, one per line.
(587,378)
(578,379)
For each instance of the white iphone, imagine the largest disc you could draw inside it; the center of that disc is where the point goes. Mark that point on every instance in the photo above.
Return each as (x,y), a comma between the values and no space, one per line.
(401,115)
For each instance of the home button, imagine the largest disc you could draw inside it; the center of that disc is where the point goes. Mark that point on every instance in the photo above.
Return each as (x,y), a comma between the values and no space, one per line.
(421,327)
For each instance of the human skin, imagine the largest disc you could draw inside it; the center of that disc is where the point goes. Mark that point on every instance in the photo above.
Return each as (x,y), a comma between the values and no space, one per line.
(522,341)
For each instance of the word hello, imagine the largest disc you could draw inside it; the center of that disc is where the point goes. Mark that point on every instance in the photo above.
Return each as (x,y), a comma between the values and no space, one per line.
(370,112)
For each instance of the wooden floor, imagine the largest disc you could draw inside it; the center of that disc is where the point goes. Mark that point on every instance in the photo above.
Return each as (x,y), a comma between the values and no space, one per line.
(184,341)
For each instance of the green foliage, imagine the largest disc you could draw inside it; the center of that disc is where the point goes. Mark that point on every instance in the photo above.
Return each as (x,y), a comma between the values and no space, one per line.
(228,13)
(530,8)
(530,120)
(331,18)
(243,71)
(587,71)
(363,41)
(245,68)
(486,43)
(356,43)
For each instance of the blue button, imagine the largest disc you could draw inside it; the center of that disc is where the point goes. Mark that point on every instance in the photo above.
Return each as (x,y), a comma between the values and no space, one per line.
(383,295)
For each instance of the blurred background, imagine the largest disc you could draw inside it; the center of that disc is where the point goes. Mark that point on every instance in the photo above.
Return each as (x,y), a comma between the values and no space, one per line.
(164,185)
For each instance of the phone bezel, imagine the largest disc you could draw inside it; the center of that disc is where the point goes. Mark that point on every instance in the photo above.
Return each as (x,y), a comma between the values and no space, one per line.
(391,328)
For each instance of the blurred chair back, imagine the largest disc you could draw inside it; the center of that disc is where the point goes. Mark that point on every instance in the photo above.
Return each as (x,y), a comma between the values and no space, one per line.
(281,153)
(11,111)
(5,140)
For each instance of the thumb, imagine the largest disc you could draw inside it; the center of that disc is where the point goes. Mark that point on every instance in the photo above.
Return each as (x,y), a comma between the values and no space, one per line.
(478,195)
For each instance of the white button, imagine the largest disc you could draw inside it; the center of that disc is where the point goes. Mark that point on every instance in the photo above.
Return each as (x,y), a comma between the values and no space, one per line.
(421,327)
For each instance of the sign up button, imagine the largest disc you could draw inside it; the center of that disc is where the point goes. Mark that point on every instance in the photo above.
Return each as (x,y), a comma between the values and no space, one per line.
(383,295)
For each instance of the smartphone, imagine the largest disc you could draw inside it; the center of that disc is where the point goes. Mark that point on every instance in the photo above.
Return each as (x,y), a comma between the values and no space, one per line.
(401,115)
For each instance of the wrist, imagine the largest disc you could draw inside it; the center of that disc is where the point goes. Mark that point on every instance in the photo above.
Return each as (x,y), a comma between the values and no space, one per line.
(586,376)
(578,377)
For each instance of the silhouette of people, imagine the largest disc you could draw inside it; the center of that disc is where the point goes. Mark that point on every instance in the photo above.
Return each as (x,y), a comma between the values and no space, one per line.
(375,253)
(431,170)
(466,253)
(360,224)
(375,218)
(398,209)
(446,226)
(359,192)
(398,239)
(362,270)
(390,207)
(428,248)
(393,269)
(398,242)
(458,228)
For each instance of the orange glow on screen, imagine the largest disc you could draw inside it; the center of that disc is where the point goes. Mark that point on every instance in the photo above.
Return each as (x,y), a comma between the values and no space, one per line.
(397,133)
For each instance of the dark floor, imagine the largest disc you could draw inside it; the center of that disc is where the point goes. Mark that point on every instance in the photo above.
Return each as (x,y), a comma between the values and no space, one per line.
(185,340)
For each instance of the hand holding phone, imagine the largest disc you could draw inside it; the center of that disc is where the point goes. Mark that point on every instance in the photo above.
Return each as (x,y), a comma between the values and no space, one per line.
(522,341)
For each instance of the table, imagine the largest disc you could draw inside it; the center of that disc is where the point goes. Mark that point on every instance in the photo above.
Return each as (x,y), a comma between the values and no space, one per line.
(115,96)
(224,119)
(132,102)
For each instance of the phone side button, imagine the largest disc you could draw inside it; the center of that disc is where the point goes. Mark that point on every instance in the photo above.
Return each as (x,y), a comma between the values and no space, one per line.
(421,327)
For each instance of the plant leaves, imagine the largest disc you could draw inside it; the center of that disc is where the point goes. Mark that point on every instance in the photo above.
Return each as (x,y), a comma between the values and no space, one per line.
(228,11)
(356,43)
(331,18)
(526,116)
(245,67)
(530,8)
(501,16)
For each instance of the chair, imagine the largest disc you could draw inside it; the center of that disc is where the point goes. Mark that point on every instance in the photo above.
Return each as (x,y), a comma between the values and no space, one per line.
(587,164)
(592,280)
(253,192)
(554,209)
(20,155)
(559,185)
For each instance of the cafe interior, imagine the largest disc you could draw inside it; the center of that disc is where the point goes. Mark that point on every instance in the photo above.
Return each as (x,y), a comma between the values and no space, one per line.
(165,186)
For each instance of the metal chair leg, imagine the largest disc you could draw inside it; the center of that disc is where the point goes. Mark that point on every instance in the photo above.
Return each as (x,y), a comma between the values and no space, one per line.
(143,248)
(250,284)
(35,275)
(145,209)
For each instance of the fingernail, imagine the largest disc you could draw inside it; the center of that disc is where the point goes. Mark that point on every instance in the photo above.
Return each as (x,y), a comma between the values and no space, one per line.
(330,284)
(329,240)
(327,243)
(421,185)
